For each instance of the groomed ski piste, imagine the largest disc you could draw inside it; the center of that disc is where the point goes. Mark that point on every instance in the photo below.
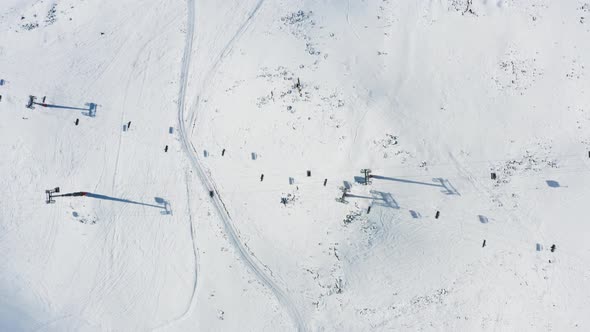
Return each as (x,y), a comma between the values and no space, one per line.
(208,156)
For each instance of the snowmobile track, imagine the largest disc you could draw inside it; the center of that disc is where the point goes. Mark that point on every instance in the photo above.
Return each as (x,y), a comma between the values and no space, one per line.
(205,177)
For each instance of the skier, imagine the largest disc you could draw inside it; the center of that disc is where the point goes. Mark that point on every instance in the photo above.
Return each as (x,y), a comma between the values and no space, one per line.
(128,125)
(77,121)
(166,148)
(261,177)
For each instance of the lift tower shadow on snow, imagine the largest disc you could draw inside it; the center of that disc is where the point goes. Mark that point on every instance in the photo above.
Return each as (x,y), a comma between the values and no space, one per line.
(379,198)
(447,187)
(161,203)
(384,199)
(90,109)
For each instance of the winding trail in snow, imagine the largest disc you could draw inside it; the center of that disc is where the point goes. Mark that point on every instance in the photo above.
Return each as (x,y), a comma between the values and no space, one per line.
(205,176)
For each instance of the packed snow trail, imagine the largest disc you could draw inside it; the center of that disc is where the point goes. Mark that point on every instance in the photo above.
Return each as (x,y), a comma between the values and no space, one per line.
(208,183)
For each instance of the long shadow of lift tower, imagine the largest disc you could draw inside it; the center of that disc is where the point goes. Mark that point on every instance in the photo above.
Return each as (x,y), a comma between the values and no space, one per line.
(163,204)
(90,109)
(444,184)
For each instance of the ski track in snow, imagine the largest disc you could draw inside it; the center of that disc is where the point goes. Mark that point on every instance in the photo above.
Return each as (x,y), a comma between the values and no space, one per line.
(191,302)
(206,179)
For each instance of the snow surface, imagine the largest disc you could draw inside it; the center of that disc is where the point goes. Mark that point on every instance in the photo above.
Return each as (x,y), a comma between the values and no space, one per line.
(432,96)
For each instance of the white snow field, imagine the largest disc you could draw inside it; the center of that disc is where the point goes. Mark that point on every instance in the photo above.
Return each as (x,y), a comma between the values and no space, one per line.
(272,107)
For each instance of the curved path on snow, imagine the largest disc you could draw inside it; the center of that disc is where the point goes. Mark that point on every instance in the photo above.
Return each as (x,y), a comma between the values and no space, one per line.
(206,178)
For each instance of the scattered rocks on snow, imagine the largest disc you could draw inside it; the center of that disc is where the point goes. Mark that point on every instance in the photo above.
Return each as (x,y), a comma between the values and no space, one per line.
(387,142)
(516,73)
(287,92)
(353,216)
(576,71)
(299,23)
(380,316)
(462,6)
(51,15)
(584,10)
(288,199)
(529,162)
(30,26)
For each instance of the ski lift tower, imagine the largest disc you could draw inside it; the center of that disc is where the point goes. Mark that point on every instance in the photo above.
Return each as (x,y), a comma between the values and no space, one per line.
(31,103)
(367,173)
(342,199)
(49,195)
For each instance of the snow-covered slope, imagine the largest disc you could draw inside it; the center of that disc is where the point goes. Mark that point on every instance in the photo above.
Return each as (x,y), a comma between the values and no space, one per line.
(248,96)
